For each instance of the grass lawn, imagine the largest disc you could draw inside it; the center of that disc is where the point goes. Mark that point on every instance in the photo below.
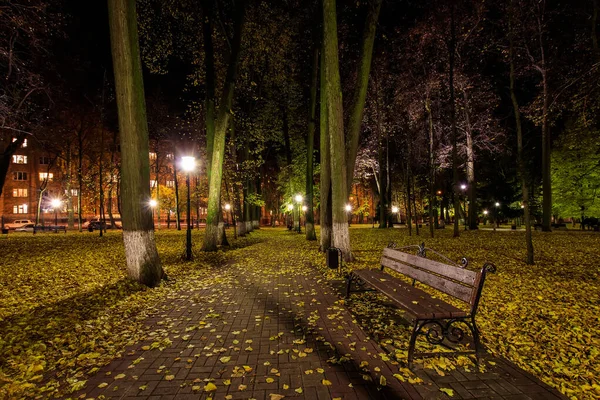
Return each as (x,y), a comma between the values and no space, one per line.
(67,306)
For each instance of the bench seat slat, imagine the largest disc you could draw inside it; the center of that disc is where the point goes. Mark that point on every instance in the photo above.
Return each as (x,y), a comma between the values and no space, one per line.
(402,293)
(458,274)
(464,293)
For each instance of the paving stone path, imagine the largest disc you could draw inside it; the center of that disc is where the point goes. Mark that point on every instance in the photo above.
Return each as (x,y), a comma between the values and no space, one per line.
(269,326)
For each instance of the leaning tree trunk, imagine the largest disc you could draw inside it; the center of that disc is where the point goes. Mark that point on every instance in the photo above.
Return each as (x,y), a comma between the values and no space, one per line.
(452,50)
(325,178)
(310,144)
(520,159)
(335,120)
(211,236)
(360,89)
(143,263)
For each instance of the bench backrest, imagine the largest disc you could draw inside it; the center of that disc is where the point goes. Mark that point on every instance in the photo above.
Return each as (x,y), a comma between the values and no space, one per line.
(458,282)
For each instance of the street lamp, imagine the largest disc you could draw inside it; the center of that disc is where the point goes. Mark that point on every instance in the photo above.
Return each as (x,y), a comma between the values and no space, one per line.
(395,211)
(348,209)
(496,205)
(188,164)
(153,203)
(463,187)
(290,217)
(299,200)
(227,208)
(55,205)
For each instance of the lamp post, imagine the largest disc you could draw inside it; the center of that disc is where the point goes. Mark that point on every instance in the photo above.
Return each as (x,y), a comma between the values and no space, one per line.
(55,205)
(463,187)
(153,203)
(227,208)
(395,211)
(290,208)
(188,164)
(496,205)
(299,200)
(485,213)
(348,210)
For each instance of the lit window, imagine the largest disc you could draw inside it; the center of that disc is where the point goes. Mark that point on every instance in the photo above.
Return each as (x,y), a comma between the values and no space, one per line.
(170,156)
(170,184)
(152,156)
(44,160)
(20,176)
(19,159)
(20,209)
(152,183)
(74,192)
(46,176)
(24,142)
(19,192)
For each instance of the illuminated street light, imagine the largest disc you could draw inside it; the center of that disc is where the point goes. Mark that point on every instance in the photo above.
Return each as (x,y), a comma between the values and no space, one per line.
(348,209)
(485,212)
(463,186)
(153,203)
(497,204)
(304,208)
(395,209)
(188,164)
(299,200)
(227,208)
(56,205)
(290,207)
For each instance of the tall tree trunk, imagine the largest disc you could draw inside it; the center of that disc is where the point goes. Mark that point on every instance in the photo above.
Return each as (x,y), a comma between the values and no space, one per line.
(452,51)
(432,223)
(325,178)
(143,263)
(335,120)
(156,178)
(69,186)
(209,65)
(546,153)
(595,49)
(100,181)
(414,201)
(214,192)
(408,196)
(520,158)
(360,89)
(472,211)
(310,144)
(382,182)
(80,176)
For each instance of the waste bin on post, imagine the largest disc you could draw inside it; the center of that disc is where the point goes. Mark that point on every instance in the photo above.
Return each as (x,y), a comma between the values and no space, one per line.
(334,258)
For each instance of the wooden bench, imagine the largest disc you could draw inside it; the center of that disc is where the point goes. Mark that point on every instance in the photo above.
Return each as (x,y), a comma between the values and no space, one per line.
(444,321)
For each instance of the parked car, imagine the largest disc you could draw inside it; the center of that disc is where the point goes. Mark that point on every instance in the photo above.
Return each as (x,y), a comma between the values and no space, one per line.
(25,228)
(96,223)
(18,223)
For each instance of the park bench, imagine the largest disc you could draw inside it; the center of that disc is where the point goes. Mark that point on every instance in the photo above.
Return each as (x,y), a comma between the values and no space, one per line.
(440,322)
(49,228)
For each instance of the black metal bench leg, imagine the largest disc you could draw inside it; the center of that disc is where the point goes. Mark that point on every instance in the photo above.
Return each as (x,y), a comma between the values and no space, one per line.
(412,343)
(348,285)
(475,333)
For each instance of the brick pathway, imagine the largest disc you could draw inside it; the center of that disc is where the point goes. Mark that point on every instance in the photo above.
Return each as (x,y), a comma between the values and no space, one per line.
(266,328)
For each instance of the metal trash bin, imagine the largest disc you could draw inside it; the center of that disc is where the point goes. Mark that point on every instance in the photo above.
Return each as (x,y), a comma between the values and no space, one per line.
(334,258)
